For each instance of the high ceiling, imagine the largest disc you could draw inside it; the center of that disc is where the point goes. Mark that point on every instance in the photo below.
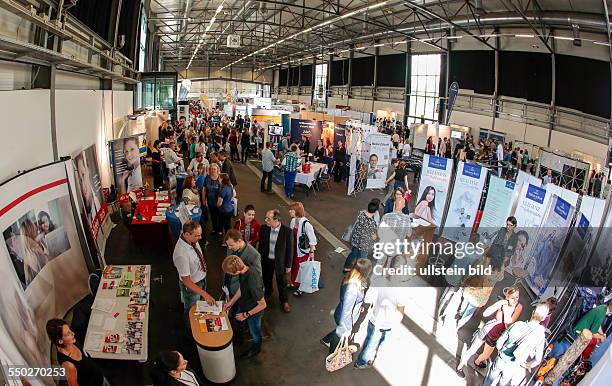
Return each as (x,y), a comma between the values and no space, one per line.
(274,32)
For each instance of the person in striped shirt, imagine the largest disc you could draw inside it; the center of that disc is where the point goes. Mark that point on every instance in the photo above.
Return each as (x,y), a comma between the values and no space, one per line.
(290,164)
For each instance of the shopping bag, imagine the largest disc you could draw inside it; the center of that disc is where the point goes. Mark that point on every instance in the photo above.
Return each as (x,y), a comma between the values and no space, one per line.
(308,275)
(340,357)
(348,233)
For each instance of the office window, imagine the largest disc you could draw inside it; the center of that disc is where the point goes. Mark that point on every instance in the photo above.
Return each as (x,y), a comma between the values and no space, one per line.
(424,87)
(142,44)
(320,86)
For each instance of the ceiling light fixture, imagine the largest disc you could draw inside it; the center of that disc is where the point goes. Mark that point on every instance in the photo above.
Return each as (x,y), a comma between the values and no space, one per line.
(523,36)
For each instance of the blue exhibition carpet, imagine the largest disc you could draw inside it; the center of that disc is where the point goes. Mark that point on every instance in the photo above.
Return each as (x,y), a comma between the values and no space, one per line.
(277,176)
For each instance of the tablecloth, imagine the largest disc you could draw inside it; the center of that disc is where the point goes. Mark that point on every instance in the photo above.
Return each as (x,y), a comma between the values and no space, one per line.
(175,223)
(309,178)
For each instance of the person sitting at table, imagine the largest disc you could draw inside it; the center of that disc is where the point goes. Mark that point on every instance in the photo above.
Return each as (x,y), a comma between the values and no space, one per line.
(397,202)
(170,369)
(248,226)
(319,153)
(193,165)
(80,368)
(191,195)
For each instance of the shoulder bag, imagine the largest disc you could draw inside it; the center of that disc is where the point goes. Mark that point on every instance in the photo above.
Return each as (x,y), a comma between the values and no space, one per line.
(340,357)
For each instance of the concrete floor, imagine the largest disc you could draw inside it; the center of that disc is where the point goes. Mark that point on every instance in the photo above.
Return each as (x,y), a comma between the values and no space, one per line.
(420,352)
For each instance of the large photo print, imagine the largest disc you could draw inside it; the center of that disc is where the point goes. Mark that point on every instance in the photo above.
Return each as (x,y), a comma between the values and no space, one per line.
(126,164)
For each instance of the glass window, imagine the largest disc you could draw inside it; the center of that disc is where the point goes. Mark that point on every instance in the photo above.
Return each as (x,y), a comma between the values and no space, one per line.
(424,87)
(142,44)
(320,86)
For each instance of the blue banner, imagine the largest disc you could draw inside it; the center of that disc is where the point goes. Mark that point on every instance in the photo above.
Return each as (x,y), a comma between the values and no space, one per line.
(453,91)
(437,162)
(536,194)
(471,170)
(562,208)
(583,226)
(510,185)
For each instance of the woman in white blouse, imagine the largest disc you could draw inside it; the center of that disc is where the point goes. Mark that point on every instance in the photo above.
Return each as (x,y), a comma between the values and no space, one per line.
(302,229)
(191,196)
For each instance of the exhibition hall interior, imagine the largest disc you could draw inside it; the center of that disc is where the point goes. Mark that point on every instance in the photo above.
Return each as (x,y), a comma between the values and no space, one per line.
(306,192)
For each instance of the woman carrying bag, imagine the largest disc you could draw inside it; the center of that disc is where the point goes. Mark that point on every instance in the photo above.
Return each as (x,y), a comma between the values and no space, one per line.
(352,293)
(305,242)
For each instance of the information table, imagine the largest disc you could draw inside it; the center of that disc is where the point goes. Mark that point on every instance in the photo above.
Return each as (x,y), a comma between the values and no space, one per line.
(119,321)
(149,225)
(215,349)
(175,223)
(309,178)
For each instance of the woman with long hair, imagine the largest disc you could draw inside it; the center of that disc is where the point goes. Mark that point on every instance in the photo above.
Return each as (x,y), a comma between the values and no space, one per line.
(352,293)
(399,176)
(170,369)
(397,202)
(36,253)
(210,195)
(504,312)
(305,241)
(426,206)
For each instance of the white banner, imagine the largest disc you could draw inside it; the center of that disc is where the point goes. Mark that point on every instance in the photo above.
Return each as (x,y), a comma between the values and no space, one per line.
(531,206)
(593,209)
(465,201)
(547,246)
(433,188)
(354,144)
(565,194)
(498,204)
(377,159)
(42,265)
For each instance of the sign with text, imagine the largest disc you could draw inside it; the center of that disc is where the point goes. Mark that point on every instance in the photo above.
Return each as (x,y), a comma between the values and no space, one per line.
(433,188)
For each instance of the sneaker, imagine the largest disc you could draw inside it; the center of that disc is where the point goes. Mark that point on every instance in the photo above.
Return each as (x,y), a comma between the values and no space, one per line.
(324,343)
(460,373)
(364,366)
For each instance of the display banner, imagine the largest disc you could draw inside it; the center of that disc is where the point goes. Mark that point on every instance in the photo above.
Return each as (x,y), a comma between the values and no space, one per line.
(433,188)
(308,128)
(547,245)
(42,265)
(126,164)
(498,204)
(354,141)
(327,134)
(339,135)
(377,159)
(579,247)
(597,272)
(465,200)
(593,209)
(94,210)
(531,206)
(453,91)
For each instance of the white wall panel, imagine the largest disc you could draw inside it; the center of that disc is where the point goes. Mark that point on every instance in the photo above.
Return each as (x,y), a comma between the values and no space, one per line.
(65,80)
(572,144)
(15,76)
(29,128)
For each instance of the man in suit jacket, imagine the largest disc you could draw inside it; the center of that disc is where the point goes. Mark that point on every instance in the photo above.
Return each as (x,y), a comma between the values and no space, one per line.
(227,167)
(276,250)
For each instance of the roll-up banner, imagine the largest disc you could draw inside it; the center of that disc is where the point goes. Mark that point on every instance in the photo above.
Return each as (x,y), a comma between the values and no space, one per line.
(94,210)
(306,128)
(566,194)
(433,188)
(377,160)
(467,190)
(126,164)
(42,264)
(354,140)
(547,246)
(597,272)
(531,206)
(498,204)
(575,258)
(593,208)
(339,135)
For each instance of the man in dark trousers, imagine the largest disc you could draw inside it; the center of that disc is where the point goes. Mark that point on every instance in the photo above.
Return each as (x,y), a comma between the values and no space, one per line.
(227,166)
(276,250)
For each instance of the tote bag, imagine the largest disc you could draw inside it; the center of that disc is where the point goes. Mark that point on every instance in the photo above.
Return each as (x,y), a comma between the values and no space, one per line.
(340,357)
(308,275)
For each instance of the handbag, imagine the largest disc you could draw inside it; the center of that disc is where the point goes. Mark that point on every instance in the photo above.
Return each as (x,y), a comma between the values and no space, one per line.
(303,240)
(340,357)
(308,275)
(348,232)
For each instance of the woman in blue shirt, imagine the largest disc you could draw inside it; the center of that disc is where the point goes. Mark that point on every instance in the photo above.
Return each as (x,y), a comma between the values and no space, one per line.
(352,293)
(210,196)
(225,203)
(398,194)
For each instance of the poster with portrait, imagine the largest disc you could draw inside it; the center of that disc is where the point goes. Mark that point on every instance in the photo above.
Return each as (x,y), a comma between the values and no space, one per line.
(547,245)
(125,155)
(94,210)
(377,159)
(465,200)
(598,271)
(498,204)
(574,260)
(42,263)
(339,136)
(327,134)
(433,188)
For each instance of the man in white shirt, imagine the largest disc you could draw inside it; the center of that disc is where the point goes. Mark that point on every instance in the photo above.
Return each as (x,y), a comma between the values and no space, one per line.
(193,165)
(406,150)
(191,266)
(267,164)
(547,178)
(500,157)
(388,301)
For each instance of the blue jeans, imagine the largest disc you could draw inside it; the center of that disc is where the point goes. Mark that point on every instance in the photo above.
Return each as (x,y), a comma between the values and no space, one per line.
(254,325)
(190,298)
(371,345)
(466,311)
(289,182)
(353,256)
(559,348)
